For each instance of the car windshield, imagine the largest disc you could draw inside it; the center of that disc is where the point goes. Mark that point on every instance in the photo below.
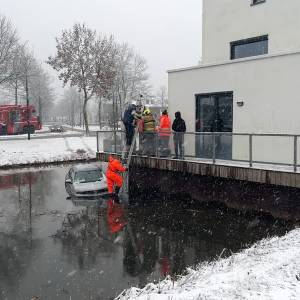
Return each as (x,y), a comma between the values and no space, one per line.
(88,176)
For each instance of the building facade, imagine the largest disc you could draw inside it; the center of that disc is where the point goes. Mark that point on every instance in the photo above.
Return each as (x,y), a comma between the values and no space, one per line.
(247,81)
(226,21)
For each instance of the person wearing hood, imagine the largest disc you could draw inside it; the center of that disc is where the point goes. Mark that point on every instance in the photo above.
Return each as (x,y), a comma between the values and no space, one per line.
(130,117)
(112,174)
(179,129)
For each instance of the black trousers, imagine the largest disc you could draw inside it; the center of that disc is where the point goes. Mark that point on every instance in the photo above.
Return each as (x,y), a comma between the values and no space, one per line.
(178,144)
(129,128)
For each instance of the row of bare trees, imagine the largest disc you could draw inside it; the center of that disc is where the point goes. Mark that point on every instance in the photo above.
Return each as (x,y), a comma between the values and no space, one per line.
(18,66)
(99,68)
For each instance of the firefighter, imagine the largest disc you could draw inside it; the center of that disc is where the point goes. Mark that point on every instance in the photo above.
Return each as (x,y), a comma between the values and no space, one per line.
(148,133)
(112,174)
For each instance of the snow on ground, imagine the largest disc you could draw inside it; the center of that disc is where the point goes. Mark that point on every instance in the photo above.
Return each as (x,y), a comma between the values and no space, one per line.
(269,269)
(17,152)
(91,128)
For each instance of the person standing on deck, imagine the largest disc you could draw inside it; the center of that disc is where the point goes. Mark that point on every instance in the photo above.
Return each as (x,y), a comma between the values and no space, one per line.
(164,131)
(148,133)
(129,122)
(179,129)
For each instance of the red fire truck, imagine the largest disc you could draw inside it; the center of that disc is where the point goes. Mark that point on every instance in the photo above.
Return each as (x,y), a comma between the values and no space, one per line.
(13,119)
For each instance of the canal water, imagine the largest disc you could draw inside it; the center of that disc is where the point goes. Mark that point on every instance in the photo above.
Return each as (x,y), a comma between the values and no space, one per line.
(52,247)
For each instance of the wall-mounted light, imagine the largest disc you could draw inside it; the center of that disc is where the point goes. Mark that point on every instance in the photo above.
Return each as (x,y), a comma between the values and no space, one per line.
(240,103)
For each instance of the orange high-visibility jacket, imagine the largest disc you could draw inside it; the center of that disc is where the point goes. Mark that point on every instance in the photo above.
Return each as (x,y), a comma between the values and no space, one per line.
(164,126)
(112,174)
(114,166)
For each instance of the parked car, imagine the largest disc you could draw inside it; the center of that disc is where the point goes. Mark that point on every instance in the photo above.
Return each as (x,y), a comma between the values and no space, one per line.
(86,180)
(56,128)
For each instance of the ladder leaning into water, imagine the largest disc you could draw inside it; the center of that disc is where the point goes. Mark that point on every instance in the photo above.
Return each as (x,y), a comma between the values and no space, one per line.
(126,159)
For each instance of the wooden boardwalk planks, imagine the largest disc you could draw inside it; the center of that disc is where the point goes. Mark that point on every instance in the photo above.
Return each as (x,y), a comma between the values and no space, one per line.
(279,178)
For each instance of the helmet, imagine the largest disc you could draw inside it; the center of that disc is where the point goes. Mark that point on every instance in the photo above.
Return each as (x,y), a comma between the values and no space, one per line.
(146,112)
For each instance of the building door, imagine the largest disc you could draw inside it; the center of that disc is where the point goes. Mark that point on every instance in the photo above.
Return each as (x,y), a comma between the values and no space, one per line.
(214,114)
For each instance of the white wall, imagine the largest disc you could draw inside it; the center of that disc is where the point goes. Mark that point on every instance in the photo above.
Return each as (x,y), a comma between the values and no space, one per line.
(225,21)
(269,87)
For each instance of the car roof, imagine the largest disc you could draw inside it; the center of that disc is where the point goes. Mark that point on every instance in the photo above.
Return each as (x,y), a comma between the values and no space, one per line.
(86,167)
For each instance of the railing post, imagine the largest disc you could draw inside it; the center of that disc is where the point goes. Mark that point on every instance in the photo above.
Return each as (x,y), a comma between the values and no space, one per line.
(156,145)
(97,141)
(295,152)
(115,141)
(250,151)
(214,147)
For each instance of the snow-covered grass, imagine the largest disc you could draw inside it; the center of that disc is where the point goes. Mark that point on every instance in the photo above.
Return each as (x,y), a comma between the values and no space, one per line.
(268,270)
(91,127)
(19,152)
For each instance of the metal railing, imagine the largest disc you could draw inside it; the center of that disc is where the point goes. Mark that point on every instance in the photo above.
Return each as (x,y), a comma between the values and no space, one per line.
(214,147)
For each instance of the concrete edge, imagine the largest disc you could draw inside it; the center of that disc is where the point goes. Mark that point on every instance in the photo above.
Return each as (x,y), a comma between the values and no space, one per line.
(45,164)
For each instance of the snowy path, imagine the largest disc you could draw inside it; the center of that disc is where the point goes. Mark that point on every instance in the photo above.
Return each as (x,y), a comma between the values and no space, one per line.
(267,270)
(18,152)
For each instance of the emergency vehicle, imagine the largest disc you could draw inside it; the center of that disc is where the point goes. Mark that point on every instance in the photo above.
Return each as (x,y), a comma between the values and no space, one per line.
(16,119)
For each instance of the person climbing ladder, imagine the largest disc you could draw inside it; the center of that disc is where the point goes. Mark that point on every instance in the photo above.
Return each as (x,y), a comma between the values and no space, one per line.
(112,175)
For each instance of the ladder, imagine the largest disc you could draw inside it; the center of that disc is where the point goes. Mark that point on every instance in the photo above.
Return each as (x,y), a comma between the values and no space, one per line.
(126,159)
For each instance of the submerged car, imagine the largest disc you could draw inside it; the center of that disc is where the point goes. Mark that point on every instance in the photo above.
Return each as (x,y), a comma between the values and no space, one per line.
(56,128)
(86,181)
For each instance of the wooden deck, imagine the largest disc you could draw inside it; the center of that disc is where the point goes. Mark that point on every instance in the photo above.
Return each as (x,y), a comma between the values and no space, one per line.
(235,172)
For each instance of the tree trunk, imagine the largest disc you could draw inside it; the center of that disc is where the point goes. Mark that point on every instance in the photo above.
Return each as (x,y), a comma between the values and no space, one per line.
(40,110)
(16,91)
(99,112)
(85,116)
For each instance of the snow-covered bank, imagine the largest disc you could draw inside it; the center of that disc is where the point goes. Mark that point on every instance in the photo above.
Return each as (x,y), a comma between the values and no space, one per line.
(22,152)
(268,270)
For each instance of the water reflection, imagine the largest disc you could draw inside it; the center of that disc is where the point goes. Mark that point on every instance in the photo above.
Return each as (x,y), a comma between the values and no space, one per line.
(55,248)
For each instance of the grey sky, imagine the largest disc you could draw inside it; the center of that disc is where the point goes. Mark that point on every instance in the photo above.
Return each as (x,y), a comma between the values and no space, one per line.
(166,32)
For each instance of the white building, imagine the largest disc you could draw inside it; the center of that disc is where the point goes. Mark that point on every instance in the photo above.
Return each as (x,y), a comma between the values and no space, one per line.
(248,80)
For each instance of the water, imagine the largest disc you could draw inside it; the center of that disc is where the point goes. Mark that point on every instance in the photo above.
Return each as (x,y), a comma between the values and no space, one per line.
(55,248)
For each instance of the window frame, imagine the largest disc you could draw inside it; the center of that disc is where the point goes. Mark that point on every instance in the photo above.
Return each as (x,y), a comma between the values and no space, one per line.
(251,40)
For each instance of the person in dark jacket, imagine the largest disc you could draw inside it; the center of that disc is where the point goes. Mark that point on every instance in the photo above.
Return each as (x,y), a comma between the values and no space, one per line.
(128,121)
(179,129)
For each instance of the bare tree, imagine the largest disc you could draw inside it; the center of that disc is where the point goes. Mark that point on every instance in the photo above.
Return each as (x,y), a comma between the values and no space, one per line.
(162,95)
(69,106)
(86,61)
(41,91)
(8,47)
(131,79)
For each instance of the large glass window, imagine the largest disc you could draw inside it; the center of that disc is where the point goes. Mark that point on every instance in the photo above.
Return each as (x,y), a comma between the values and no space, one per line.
(249,47)
(214,114)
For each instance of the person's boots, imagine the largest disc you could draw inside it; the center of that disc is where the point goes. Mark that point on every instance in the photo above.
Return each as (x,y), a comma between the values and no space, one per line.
(117,190)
